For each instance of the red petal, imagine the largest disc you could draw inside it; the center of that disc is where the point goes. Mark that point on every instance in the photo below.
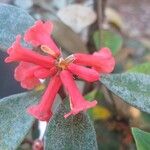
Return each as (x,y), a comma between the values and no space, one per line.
(102,61)
(77,102)
(18,53)
(85,59)
(87,74)
(24,72)
(42,111)
(44,73)
(39,34)
(104,53)
(40,114)
(108,60)
(30,83)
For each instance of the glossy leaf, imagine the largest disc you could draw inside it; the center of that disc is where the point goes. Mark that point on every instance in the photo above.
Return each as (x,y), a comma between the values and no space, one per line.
(142,139)
(142,68)
(14,121)
(108,39)
(133,88)
(13,21)
(73,133)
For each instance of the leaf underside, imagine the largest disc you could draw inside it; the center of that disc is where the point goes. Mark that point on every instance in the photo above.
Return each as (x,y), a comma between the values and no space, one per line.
(14,121)
(13,21)
(73,133)
(133,88)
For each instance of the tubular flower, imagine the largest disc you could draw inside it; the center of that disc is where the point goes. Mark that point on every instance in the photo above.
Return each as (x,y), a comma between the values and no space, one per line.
(102,61)
(42,111)
(77,102)
(34,66)
(24,73)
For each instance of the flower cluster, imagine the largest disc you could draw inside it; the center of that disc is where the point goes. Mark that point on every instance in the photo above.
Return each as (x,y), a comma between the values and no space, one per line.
(34,66)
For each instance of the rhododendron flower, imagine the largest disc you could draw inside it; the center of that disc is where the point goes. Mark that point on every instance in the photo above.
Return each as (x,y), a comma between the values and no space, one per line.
(34,66)
(102,61)
(24,73)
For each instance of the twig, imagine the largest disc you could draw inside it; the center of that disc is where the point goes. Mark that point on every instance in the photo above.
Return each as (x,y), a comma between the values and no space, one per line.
(101,4)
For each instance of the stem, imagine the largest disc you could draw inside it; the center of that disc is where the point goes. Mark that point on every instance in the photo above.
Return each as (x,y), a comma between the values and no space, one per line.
(101,5)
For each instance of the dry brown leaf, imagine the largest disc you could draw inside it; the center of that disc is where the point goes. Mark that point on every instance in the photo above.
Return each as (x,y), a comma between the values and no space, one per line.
(77,16)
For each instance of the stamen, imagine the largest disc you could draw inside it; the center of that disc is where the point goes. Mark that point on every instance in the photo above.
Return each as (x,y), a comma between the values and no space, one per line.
(47,50)
(63,63)
(70,59)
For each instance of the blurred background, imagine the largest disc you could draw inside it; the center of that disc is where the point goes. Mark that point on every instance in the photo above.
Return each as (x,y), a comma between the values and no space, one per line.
(86,26)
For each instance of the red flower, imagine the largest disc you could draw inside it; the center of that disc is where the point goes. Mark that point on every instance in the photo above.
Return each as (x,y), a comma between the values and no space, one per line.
(34,66)
(42,111)
(18,53)
(77,102)
(24,73)
(102,61)
(107,61)
(39,34)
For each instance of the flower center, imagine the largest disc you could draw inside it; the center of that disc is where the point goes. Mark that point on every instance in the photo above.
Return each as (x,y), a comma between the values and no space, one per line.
(61,63)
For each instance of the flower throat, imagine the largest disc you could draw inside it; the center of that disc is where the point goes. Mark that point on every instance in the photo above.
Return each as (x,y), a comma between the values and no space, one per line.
(61,63)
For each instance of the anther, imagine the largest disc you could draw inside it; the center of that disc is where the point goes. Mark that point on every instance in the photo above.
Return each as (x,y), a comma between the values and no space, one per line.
(70,59)
(48,50)
(63,63)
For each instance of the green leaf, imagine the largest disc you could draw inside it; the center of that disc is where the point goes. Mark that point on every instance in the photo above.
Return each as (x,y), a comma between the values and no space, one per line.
(13,21)
(14,121)
(142,139)
(73,133)
(142,68)
(91,95)
(133,88)
(110,39)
